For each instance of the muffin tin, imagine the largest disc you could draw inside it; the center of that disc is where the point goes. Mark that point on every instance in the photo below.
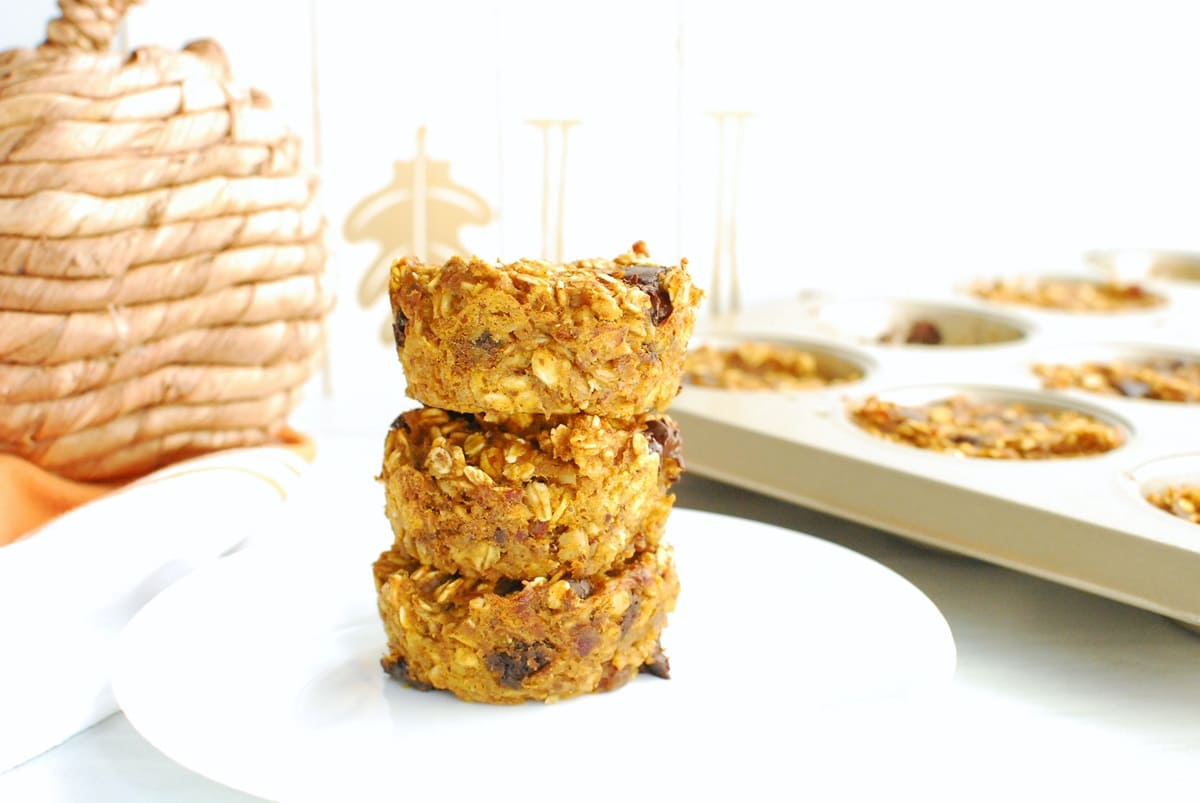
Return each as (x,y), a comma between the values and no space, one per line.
(1080,521)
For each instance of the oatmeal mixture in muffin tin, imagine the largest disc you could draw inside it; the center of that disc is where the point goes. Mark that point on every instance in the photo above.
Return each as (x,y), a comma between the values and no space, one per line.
(1181,500)
(762,365)
(1159,378)
(979,428)
(1070,295)
(1038,423)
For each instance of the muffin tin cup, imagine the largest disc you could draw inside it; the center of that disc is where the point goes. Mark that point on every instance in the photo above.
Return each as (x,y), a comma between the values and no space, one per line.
(1072,520)
(1141,264)
(1141,319)
(883,322)
(843,364)
(1158,474)
(1033,400)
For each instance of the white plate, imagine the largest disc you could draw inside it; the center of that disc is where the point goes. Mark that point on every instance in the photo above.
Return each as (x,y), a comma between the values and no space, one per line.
(263,674)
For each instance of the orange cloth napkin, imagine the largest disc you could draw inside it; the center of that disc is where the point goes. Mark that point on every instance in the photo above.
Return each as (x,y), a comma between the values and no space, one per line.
(30,496)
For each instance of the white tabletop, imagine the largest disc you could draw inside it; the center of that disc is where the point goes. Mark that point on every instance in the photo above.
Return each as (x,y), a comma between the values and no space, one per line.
(1055,688)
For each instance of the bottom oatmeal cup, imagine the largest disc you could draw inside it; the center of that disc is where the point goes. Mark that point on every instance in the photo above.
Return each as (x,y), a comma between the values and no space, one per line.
(508,641)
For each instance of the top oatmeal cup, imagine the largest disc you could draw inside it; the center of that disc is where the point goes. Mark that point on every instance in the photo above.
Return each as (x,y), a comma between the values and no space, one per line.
(601,336)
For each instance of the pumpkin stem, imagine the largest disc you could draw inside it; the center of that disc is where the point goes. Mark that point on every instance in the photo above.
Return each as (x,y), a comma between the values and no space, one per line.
(86,24)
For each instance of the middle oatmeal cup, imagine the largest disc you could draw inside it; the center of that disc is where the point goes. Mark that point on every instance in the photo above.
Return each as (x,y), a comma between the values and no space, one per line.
(523,496)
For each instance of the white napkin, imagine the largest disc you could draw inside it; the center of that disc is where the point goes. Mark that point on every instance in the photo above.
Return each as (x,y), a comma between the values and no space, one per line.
(68,590)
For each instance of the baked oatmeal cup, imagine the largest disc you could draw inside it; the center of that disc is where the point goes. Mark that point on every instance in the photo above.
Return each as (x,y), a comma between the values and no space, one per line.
(595,336)
(524,496)
(508,641)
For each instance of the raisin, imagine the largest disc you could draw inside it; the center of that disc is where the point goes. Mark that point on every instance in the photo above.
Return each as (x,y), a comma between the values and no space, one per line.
(631,613)
(486,342)
(397,669)
(586,639)
(658,665)
(400,329)
(924,332)
(522,660)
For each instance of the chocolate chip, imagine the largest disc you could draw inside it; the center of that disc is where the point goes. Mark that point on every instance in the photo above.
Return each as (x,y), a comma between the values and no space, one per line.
(397,669)
(658,665)
(582,588)
(400,422)
(1132,388)
(400,328)
(511,668)
(664,439)
(648,279)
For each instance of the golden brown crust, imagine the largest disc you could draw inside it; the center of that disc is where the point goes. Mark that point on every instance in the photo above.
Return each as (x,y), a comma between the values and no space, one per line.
(526,496)
(598,336)
(507,642)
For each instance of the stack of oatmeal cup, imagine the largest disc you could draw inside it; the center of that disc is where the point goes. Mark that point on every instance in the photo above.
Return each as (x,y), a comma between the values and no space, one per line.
(530,494)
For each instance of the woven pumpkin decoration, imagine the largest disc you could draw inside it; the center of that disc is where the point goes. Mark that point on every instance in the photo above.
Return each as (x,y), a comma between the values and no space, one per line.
(162,287)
